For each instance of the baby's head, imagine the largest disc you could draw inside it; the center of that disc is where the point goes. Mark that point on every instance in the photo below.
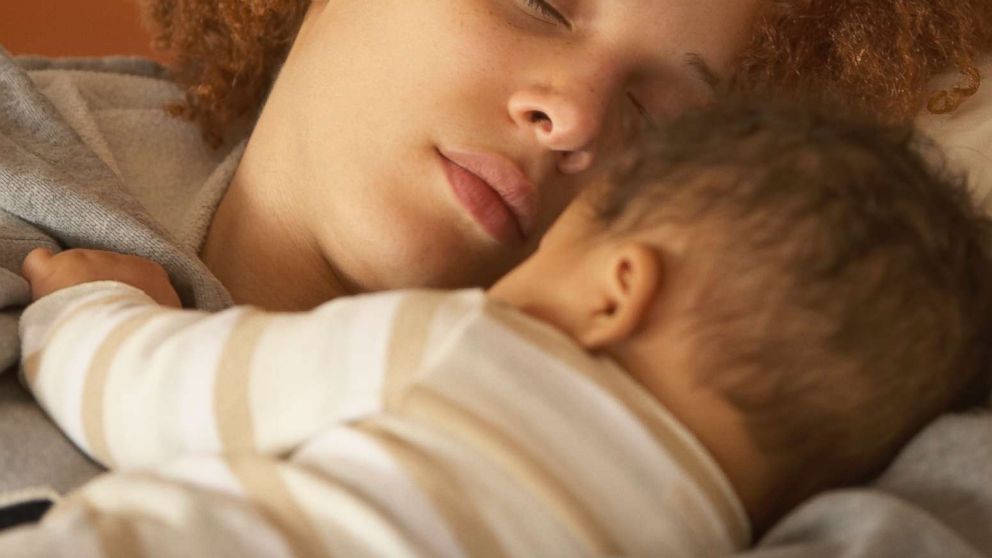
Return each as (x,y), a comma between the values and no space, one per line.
(803,293)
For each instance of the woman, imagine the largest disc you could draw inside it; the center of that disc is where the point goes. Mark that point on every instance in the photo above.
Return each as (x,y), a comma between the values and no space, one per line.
(363,170)
(357,173)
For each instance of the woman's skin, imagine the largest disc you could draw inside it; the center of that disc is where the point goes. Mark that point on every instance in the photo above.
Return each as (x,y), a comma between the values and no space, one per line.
(343,186)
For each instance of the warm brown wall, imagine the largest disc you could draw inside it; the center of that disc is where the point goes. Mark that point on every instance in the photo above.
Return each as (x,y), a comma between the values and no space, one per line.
(72,27)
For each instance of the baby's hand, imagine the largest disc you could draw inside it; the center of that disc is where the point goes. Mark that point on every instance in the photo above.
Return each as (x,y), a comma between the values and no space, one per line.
(48,273)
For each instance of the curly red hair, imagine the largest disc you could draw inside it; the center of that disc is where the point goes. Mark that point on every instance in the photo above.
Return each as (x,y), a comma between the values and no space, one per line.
(224,53)
(879,55)
(876,55)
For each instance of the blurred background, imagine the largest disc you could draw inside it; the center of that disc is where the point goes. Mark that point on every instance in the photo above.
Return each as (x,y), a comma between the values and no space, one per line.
(72,28)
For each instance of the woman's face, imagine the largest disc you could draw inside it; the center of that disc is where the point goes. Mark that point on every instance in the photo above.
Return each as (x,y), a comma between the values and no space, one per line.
(432,142)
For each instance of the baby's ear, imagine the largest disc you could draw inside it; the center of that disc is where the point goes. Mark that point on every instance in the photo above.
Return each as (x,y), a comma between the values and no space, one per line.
(626,291)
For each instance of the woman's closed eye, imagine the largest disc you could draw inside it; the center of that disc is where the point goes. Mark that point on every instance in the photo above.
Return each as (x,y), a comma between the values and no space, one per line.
(641,110)
(546,12)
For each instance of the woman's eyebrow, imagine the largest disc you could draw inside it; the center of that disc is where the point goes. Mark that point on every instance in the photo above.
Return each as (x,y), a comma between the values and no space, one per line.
(702,70)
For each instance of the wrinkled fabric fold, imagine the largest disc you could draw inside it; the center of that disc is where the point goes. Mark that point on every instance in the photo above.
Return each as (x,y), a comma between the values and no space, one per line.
(61,122)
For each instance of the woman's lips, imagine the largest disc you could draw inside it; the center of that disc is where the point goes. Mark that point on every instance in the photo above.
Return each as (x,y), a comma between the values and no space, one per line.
(494,191)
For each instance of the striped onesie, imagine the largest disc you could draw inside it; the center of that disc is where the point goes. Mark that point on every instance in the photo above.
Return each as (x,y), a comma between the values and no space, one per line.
(408,423)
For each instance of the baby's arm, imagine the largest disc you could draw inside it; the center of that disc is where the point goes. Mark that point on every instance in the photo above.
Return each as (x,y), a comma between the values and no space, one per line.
(208,506)
(132,382)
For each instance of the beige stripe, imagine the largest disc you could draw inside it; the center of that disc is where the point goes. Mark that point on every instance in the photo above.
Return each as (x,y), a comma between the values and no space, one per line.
(411,327)
(32,363)
(232,390)
(270,495)
(95,386)
(116,533)
(441,487)
(423,405)
(638,402)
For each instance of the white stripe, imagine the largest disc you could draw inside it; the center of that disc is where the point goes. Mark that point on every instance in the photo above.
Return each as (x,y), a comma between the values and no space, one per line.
(39,317)
(358,460)
(314,369)
(65,365)
(366,370)
(213,474)
(174,519)
(347,525)
(162,397)
(191,402)
(515,517)
(206,472)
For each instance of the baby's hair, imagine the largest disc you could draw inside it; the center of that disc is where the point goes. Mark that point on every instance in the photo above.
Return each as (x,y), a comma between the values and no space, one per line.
(880,54)
(840,286)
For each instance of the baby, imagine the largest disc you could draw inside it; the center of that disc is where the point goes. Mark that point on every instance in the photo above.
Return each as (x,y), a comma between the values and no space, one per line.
(759,305)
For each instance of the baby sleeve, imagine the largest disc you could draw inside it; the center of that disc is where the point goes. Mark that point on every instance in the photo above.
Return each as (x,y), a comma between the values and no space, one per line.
(133,383)
(244,507)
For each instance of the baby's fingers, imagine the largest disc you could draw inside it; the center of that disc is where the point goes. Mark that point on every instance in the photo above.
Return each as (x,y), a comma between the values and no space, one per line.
(37,264)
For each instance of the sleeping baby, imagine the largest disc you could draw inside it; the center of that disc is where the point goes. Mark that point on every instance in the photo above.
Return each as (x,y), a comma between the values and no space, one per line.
(756,305)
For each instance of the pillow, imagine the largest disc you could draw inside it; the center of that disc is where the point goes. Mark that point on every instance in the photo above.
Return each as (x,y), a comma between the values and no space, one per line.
(966,134)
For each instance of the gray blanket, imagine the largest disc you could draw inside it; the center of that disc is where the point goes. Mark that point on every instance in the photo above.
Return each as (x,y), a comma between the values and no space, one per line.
(57,190)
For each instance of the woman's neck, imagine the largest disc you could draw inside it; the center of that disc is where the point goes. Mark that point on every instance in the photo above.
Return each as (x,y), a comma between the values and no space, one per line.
(263,258)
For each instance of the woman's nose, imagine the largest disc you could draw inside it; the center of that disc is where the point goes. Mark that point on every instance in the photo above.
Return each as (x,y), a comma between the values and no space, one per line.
(569,125)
